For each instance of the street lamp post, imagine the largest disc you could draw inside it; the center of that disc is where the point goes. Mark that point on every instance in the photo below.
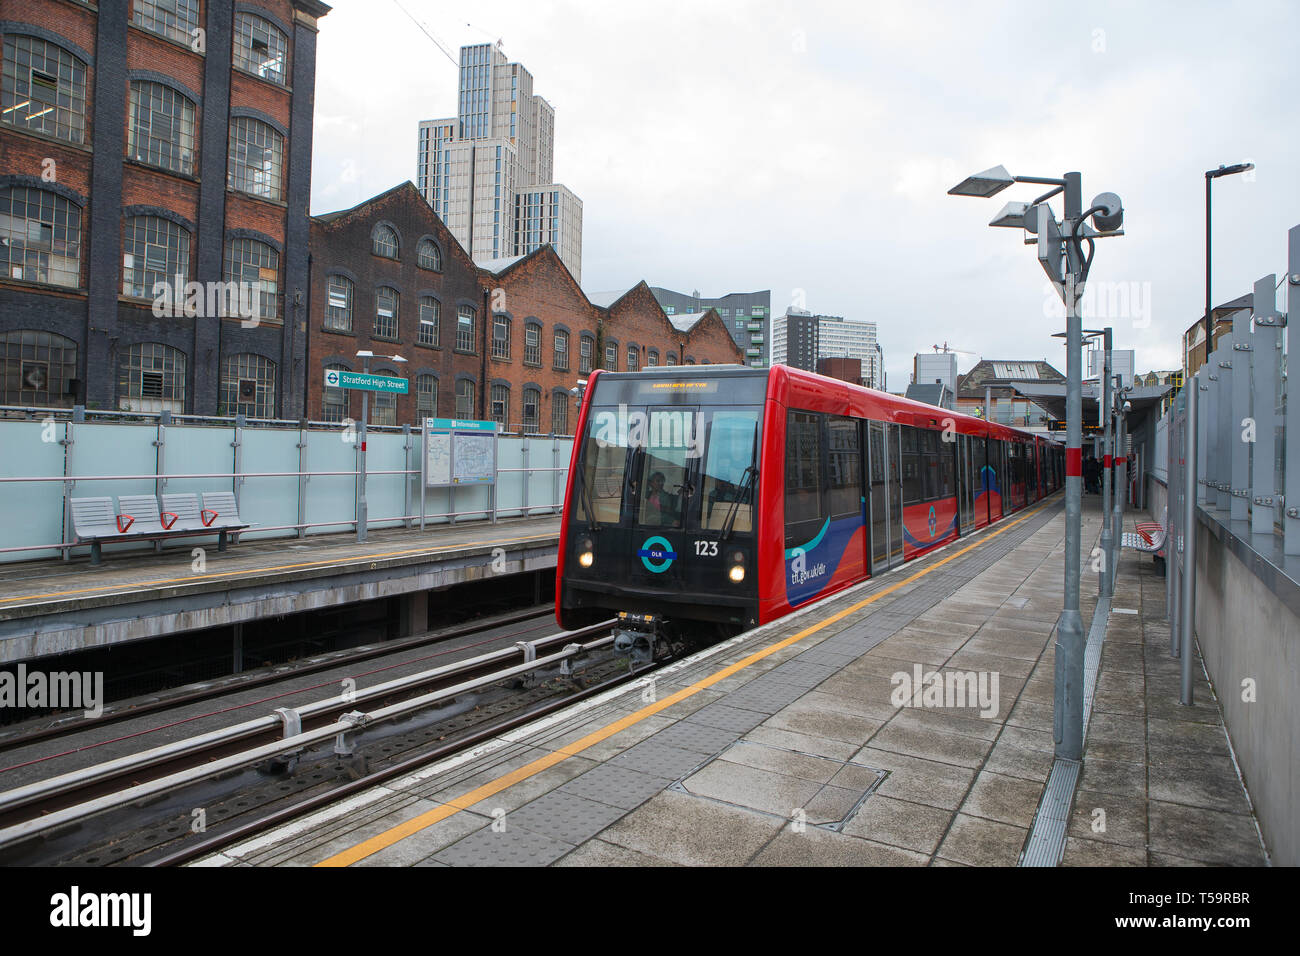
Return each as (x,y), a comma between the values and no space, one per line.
(1210,176)
(363,509)
(1056,241)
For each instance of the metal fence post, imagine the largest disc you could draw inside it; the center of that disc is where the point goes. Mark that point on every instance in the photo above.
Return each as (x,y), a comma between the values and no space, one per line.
(527,475)
(160,460)
(1187,624)
(1291,414)
(1239,453)
(406,479)
(1175,489)
(78,416)
(1106,579)
(303,477)
(237,482)
(1266,339)
(555,475)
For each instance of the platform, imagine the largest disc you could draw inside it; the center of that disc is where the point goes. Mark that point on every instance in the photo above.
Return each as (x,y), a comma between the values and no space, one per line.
(799,743)
(53,607)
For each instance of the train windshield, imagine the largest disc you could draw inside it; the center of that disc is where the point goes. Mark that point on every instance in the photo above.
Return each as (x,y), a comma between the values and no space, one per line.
(730,471)
(681,467)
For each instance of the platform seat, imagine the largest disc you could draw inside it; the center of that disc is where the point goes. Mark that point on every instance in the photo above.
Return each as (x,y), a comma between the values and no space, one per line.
(222,504)
(95,520)
(1148,537)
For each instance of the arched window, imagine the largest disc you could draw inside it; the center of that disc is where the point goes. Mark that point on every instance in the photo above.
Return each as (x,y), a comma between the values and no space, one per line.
(560,413)
(40,237)
(43,88)
(338,304)
(153,250)
(633,358)
(175,19)
(258,265)
(532,409)
(501,406)
(465,329)
(429,256)
(501,336)
(611,358)
(386,302)
(334,408)
(533,343)
(426,395)
(151,378)
(248,386)
(36,368)
(561,351)
(256,159)
(672,358)
(385,242)
(586,348)
(261,49)
(430,311)
(160,127)
(383,406)
(464,398)
(652,358)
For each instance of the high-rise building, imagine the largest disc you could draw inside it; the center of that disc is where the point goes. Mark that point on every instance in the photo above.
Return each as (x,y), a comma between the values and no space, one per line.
(800,338)
(935,368)
(747,316)
(488,171)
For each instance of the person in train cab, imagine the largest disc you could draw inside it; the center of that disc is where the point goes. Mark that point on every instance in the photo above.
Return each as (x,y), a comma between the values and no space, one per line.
(658,507)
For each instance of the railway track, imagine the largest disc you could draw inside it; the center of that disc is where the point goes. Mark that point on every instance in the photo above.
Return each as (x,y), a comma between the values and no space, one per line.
(184,798)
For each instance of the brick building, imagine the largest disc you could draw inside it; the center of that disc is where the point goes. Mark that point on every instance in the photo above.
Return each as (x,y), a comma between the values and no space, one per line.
(145,140)
(377,286)
(387,276)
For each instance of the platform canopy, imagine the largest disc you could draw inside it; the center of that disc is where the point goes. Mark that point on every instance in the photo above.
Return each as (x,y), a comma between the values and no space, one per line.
(1052,398)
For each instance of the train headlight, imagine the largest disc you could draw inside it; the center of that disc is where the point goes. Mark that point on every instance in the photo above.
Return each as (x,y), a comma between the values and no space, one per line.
(586,553)
(586,558)
(737,573)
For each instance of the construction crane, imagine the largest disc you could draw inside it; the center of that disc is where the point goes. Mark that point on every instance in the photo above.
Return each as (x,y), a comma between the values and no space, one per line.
(947,348)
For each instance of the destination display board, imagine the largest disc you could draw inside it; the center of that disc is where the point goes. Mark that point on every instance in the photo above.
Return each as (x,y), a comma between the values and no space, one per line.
(459,451)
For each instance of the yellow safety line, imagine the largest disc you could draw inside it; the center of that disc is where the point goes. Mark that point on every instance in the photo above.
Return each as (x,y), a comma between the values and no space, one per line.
(464,802)
(279,567)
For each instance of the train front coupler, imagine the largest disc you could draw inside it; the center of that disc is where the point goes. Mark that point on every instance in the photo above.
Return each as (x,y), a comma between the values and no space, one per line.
(639,637)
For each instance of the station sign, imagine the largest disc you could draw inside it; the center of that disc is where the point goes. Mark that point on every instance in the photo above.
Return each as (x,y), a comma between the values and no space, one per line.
(335,378)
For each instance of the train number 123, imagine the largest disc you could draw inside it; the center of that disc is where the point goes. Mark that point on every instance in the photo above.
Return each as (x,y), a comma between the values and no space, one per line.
(709,548)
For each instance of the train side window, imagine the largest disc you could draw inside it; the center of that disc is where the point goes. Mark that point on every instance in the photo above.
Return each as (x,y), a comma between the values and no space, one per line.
(947,468)
(913,487)
(803,458)
(928,446)
(843,467)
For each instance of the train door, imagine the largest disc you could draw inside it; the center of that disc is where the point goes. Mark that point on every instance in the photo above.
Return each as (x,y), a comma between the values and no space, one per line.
(965,485)
(893,465)
(877,482)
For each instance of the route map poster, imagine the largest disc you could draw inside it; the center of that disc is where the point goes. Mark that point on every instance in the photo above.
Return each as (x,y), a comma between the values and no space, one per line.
(459,452)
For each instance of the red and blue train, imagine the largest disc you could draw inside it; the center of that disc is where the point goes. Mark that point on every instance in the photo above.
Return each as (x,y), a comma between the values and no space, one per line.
(718,498)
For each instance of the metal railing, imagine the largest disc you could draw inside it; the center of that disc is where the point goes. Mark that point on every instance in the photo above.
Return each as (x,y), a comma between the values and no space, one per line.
(1228,428)
(55,455)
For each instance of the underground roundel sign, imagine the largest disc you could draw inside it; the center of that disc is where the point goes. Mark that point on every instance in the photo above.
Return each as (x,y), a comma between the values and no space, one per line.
(332,378)
(657,554)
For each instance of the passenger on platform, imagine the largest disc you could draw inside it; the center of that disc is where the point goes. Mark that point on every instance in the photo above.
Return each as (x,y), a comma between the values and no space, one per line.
(1092,475)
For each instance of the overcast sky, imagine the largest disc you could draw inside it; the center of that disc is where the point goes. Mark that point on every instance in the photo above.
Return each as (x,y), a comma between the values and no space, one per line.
(807,148)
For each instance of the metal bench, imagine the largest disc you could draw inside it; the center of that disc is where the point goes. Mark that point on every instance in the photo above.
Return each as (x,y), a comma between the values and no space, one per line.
(1148,537)
(223,505)
(95,520)
(138,518)
(187,516)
